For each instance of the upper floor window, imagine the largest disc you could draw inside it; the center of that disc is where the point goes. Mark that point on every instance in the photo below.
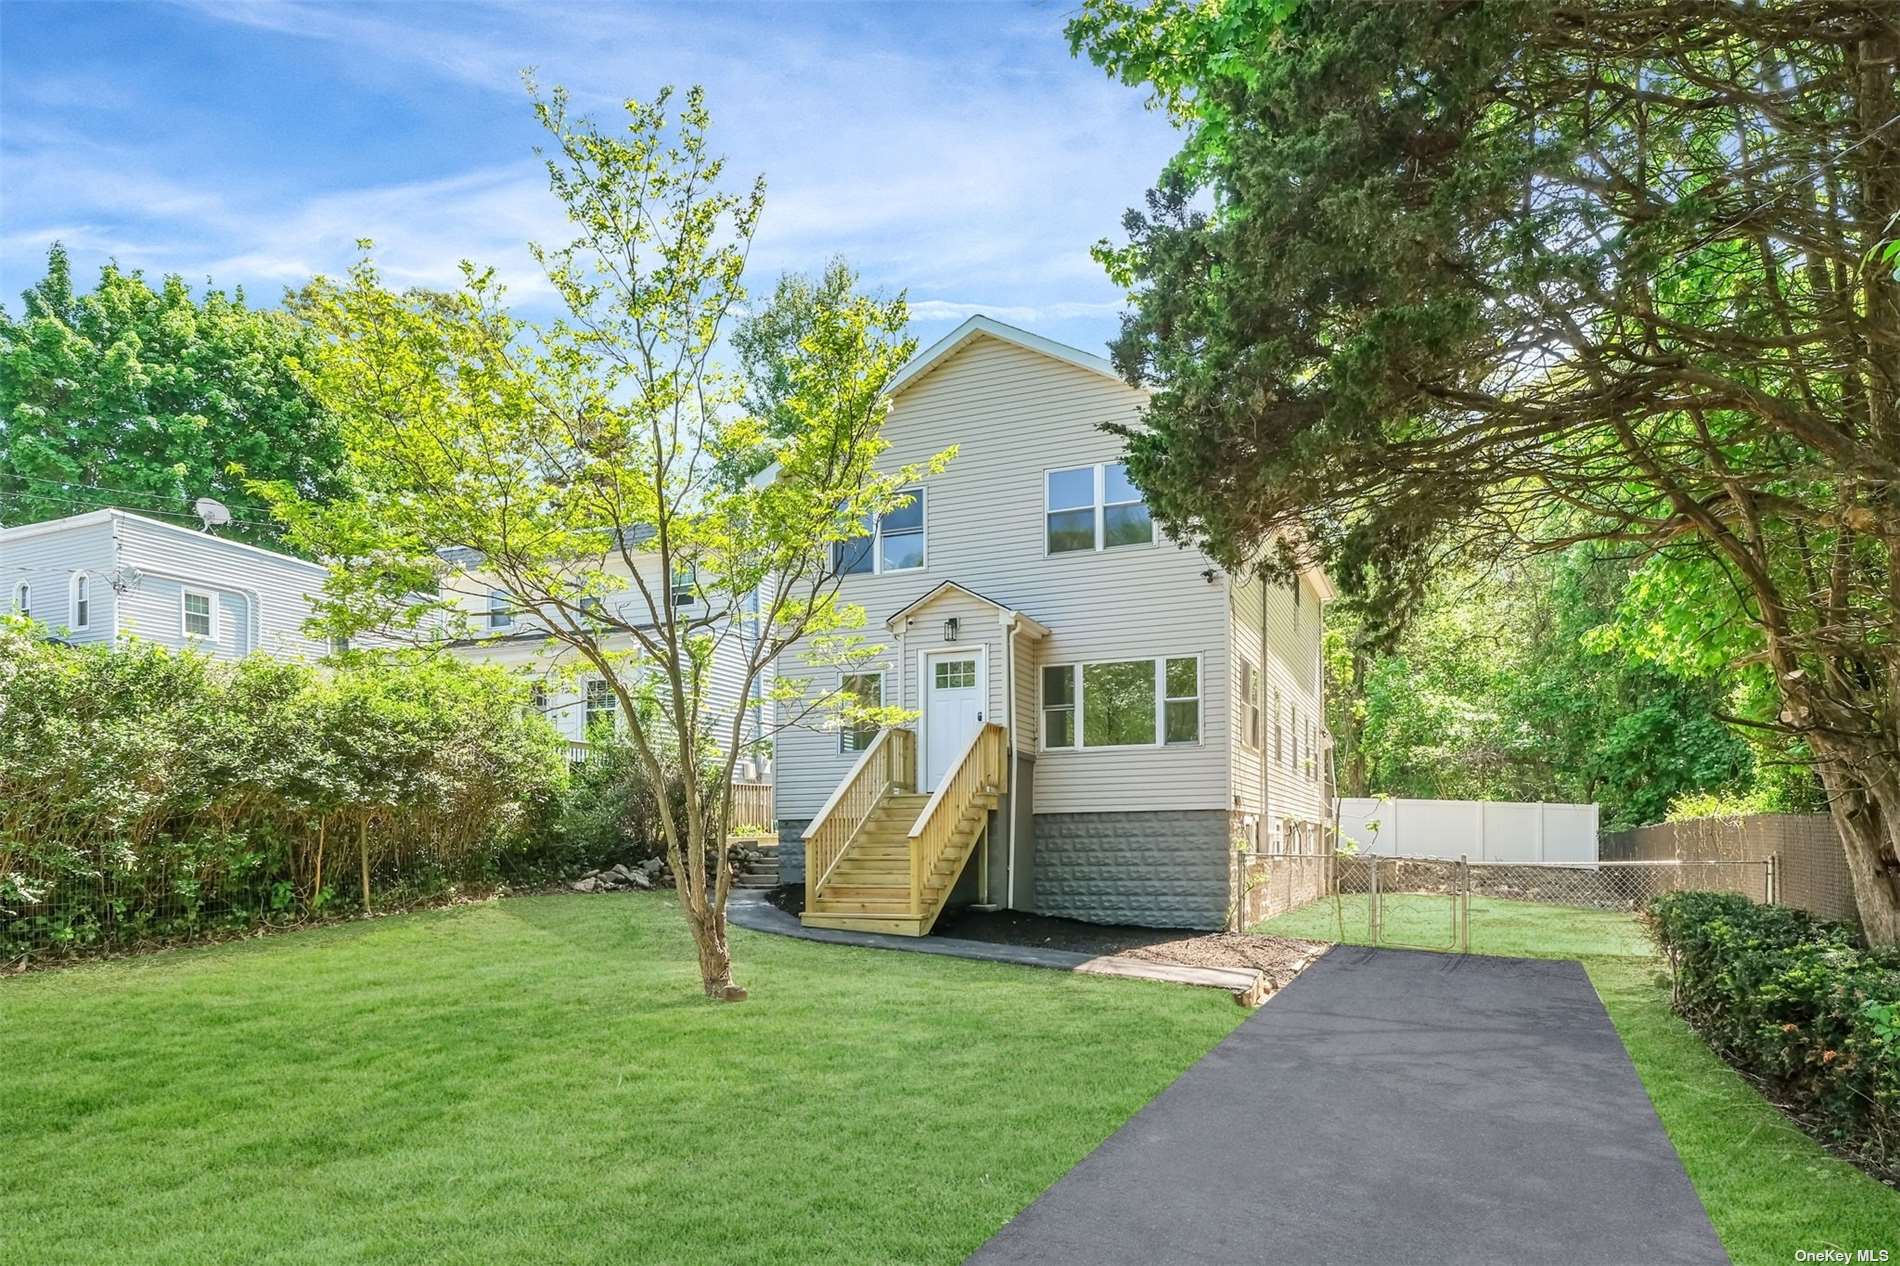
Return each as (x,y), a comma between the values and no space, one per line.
(82,601)
(197,613)
(1249,704)
(685,584)
(501,613)
(23,599)
(1094,508)
(1122,703)
(895,542)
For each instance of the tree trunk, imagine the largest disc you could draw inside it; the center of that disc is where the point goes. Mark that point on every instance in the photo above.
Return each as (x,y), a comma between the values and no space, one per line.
(1870,837)
(715,958)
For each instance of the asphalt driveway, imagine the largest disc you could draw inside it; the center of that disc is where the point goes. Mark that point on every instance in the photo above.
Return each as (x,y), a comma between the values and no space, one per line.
(1389,1108)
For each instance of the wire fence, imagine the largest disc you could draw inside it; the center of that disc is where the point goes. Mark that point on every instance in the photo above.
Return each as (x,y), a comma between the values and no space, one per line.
(1361,889)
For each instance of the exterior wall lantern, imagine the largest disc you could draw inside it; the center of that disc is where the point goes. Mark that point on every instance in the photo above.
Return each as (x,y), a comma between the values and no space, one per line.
(951,628)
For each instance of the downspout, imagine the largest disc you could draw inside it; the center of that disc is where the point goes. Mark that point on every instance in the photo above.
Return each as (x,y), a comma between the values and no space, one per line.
(1009,711)
(1266,756)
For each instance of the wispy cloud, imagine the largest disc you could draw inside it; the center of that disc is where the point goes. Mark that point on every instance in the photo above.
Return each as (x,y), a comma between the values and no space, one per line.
(955,153)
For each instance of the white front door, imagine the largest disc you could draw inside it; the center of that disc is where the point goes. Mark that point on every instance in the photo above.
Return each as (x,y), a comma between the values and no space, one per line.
(953,708)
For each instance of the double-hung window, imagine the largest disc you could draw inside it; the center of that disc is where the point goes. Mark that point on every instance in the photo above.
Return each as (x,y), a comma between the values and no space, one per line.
(23,600)
(197,615)
(1094,508)
(602,707)
(1249,704)
(867,691)
(1122,703)
(501,614)
(82,600)
(685,583)
(893,541)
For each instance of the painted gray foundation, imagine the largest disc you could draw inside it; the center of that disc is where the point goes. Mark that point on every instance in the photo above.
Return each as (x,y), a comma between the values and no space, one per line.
(1165,869)
(791,850)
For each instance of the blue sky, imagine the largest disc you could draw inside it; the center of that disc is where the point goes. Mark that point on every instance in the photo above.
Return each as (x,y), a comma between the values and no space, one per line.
(955,151)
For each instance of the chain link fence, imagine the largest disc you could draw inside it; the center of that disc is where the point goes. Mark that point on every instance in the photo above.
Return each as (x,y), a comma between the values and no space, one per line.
(1364,892)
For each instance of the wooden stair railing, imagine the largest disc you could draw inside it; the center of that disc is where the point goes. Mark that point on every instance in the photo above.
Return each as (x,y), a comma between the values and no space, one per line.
(888,764)
(980,770)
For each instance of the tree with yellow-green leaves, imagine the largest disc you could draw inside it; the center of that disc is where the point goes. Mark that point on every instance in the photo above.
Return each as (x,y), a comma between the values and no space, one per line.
(563,453)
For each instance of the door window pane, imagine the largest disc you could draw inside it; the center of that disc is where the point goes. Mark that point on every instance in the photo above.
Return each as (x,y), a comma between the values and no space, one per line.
(1118,703)
(955,674)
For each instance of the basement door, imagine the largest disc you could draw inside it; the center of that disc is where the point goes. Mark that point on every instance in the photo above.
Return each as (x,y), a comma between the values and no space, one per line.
(954,688)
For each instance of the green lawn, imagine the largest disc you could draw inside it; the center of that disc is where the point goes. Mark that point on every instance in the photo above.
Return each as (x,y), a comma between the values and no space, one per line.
(1769,1188)
(537,1080)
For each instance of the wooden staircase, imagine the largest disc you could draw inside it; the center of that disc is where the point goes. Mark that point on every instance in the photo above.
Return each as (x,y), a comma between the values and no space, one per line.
(881,857)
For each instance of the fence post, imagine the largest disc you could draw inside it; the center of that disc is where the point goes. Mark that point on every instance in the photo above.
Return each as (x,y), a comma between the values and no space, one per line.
(1462,901)
(1372,902)
(1772,880)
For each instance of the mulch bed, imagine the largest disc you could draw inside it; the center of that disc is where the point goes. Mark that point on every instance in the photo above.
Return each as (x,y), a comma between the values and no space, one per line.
(1277,958)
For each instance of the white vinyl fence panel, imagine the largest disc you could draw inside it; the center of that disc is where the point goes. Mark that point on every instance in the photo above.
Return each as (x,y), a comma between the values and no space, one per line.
(1481,830)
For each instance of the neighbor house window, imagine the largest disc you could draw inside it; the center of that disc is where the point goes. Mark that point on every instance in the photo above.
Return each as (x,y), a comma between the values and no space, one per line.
(685,579)
(1293,711)
(82,600)
(538,697)
(601,704)
(197,614)
(23,599)
(1094,508)
(893,542)
(868,691)
(500,613)
(1249,704)
(1122,703)
(339,645)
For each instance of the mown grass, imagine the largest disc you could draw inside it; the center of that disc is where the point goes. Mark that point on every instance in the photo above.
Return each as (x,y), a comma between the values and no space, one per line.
(1769,1189)
(537,1080)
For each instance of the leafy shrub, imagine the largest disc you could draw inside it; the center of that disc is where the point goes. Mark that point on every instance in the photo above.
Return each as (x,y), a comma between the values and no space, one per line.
(146,792)
(1796,1001)
(611,812)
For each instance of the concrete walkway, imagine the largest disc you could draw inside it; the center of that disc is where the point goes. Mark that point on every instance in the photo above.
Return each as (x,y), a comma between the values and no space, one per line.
(750,910)
(1389,1108)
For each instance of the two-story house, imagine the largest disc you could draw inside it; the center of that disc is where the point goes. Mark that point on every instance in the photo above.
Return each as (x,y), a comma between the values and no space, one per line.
(1104,716)
(112,574)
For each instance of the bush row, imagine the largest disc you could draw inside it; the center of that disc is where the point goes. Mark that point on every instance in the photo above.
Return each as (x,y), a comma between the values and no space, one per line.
(1797,1002)
(146,793)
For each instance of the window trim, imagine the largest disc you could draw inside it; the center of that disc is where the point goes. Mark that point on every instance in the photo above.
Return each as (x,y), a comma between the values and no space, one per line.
(682,589)
(80,595)
(211,614)
(1079,689)
(587,704)
(23,599)
(846,731)
(1251,727)
(876,540)
(499,605)
(1100,507)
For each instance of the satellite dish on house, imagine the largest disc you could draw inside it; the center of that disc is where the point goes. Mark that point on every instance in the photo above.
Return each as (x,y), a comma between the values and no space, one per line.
(211,512)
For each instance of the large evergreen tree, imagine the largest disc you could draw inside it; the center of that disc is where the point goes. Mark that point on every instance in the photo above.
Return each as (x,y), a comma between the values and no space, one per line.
(149,399)
(1522,272)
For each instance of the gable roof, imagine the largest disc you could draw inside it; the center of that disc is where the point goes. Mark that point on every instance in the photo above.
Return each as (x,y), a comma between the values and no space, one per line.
(923,600)
(980,326)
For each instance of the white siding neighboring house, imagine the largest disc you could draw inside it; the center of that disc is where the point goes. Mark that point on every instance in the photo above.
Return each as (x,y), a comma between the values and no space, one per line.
(112,574)
(1030,590)
(569,692)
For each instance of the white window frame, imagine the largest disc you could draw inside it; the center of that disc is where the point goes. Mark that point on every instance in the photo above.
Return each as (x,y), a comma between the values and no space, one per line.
(845,731)
(1100,470)
(211,614)
(80,596)
(1079,690)
(612,708)
(683,588)
(499,605)
(876,540)
(1252,730)
(23,599)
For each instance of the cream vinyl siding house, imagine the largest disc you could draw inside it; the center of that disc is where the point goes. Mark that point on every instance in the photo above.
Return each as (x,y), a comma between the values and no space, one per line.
(1036,571)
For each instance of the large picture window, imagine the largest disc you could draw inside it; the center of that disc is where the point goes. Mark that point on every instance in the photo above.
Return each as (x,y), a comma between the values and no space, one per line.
(895,542)
(1094,508)
(868,690)
(1122,703)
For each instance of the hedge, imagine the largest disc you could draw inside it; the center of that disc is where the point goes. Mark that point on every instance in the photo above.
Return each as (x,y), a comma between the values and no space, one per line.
(150,794)
(1797,1002)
